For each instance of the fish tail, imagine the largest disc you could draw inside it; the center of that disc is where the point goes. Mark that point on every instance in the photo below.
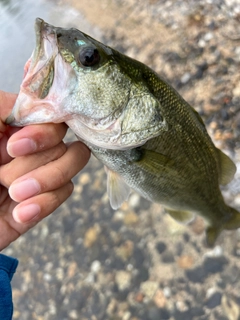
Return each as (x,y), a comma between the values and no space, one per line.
(232,223)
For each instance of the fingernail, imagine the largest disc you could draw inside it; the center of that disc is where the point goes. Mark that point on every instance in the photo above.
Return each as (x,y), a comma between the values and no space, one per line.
(26,213)
(21,147)
(25,189)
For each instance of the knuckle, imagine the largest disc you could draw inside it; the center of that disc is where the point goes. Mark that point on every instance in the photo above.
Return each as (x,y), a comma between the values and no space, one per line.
(60,176)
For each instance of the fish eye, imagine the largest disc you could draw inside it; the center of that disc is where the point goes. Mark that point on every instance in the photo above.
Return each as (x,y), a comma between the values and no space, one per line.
(89,56)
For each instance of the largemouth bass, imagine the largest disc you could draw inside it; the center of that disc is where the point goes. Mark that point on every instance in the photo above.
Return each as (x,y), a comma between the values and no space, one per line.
(148,137)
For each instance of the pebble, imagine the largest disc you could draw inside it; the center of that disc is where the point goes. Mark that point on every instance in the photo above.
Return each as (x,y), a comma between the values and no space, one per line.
(161,247)
(217,251)
(134,200)
(213,265)
(130,218)
(91,236)
(159,299)
(196,275)
(167,257)
(236,91)
(230,308)
(185,262)
(123,280)
(214,300)
(167,292)
(186,77)
(149,288)
(95,266)
(208,36)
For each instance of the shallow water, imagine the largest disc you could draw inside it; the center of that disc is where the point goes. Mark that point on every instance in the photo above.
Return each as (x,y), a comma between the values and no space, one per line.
(61,276)
(17,33)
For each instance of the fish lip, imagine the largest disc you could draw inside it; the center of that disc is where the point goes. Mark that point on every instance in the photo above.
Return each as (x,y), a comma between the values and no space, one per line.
(42,31)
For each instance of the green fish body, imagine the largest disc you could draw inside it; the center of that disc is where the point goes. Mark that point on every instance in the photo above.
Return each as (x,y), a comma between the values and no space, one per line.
(147,136)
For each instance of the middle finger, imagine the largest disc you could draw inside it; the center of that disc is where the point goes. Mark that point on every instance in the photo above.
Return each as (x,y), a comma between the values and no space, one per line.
(22,165)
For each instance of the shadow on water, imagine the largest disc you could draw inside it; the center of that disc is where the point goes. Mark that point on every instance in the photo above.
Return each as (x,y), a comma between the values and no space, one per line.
(17,33)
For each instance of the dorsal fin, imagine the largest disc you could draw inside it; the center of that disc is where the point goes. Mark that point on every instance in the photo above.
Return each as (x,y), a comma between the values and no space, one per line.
(227,168)
(117,189)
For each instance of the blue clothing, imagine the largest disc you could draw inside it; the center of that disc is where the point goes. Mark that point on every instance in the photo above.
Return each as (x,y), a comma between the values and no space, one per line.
(8,267)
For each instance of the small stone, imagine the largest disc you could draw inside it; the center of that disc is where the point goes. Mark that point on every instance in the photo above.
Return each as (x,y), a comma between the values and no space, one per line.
(201,43)
(198,226)
(161,247)
(216,252)
(167,292)
(126,316)
(130,218)
(214,300)
(123,280)
(230,308)
(84,178)
(72,269)
(186,77)
(91,236)
(139,297)
(236,91)
(125,251)
(196,275)
(213,265)
(149,288)
(159,299)
(181,306)
(185,262)
(208,36)
(134,200)
(168,257)
(73,314)
(95,266)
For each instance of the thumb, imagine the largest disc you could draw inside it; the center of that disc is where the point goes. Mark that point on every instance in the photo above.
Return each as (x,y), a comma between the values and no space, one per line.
(7,101)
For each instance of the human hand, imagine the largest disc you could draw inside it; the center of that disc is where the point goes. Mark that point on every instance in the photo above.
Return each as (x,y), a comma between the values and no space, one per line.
(36,169)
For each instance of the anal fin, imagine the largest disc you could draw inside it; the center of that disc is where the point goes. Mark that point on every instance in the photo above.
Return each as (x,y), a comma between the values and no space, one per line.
(117,189)
(181,216)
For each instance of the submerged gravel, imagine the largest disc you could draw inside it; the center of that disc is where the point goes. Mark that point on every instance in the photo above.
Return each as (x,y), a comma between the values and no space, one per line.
(87,261)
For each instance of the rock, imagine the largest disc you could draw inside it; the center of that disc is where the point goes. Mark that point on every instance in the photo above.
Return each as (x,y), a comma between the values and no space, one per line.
(196,275)
(213,265)
(123,280)
(167,257)
(161,247)
(130,218)
(95,266)
(185,262)
(230,308)
(149,288)
(159,299)
(157,314)
(214,300)
(91,236)
(186,77)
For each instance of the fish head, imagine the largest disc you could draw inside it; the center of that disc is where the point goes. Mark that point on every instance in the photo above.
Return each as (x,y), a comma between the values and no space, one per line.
(98,92)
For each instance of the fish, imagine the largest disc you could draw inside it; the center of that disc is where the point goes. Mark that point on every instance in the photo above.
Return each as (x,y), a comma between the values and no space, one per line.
(148,137)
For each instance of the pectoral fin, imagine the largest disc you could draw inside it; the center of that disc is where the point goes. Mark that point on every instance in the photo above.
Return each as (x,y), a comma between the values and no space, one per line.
(157,162)
(118,191)
(227,168)
(181,216)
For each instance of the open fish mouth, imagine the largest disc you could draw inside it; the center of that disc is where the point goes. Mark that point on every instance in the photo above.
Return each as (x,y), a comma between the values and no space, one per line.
(39,70)
(37,101)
